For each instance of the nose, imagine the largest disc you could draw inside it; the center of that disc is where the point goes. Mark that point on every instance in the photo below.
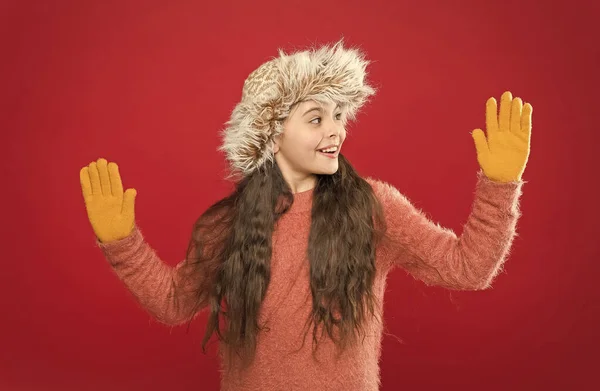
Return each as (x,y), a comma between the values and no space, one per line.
(334,130)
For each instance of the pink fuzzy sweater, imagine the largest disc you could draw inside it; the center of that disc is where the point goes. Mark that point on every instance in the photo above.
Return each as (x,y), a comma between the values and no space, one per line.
(429,252)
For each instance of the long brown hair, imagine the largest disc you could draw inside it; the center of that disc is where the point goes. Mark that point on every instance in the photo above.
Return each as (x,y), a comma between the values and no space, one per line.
(230,250)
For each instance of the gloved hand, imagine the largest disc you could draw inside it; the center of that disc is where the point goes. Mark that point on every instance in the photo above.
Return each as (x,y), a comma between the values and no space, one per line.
(504,154)
(110,211)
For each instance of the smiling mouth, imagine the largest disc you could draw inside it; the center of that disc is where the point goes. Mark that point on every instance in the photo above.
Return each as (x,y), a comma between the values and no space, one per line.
(330,155)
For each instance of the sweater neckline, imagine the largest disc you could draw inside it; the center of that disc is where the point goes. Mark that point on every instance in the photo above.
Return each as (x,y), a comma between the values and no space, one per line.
(302,201)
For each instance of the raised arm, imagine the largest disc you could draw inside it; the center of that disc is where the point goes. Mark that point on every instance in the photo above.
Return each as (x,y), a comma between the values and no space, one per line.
(436,255)
(168,293)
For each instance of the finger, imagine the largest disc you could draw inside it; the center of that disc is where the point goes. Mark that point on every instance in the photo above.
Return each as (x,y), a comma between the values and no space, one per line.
(129,202)
(515,116)
(104,179)
(526,118)
(491,116)
(481,145)
(504,119)
(86,185)
(115,179)
(95,179)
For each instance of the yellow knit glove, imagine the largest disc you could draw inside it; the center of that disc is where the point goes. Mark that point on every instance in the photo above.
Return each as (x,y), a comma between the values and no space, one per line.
(110,211)
(504,154)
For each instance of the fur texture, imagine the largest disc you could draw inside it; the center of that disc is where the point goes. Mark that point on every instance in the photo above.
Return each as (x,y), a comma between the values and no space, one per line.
(325,74)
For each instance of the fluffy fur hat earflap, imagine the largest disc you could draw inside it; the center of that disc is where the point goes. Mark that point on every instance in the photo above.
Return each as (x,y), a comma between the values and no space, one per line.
(326,74)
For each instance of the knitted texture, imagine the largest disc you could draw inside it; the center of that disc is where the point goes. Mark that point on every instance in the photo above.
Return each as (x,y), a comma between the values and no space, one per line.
(325,74)
(427,251)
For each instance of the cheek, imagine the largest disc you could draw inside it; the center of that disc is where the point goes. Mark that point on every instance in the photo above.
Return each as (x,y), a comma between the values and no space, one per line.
(311,144)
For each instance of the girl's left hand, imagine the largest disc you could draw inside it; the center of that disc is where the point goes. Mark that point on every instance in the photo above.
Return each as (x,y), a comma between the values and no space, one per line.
(504,154)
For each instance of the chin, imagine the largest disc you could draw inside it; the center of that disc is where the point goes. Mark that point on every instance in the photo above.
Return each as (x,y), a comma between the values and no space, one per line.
(330,171)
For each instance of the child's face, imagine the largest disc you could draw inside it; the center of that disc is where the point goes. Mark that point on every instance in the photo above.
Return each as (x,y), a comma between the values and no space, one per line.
(305,132)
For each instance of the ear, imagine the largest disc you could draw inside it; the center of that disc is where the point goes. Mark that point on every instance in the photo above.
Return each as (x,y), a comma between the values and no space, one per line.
(275,144)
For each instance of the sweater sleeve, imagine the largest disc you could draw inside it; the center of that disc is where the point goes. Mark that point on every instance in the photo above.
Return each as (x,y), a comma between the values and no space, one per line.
(164,291)
(435,254)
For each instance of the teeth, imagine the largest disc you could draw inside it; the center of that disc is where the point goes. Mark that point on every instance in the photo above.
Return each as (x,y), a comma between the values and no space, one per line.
(333,149)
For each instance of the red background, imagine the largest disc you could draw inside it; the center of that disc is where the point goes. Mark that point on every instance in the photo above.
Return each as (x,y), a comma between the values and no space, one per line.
(148,84)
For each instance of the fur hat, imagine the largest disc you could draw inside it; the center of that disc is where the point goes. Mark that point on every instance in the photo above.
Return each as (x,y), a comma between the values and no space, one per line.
(327,74)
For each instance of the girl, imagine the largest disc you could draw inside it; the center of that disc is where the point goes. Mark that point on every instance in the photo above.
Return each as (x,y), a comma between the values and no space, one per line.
(304,243)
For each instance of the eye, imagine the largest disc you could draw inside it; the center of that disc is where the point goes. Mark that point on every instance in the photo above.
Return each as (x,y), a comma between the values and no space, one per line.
(338,117)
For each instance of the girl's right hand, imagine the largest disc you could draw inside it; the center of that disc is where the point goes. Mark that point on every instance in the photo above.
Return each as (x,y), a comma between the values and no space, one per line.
(110,211)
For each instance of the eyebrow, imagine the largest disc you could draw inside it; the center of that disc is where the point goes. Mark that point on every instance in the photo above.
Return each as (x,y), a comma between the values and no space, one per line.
(319,109)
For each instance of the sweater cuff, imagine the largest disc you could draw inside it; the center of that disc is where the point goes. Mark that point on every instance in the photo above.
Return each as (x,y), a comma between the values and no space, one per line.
(504,195)
(116,247)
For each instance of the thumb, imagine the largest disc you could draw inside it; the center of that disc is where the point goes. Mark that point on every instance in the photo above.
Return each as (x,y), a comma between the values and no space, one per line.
(480,143)
(129,202)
